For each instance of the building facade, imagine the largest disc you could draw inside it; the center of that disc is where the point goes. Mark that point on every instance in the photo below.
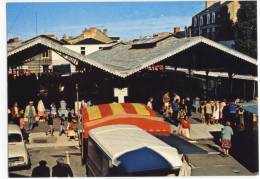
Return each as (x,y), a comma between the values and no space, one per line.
(216,20)
(89,41)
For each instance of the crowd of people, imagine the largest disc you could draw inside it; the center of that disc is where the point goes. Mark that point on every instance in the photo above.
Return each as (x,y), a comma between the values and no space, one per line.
(178,111)
(27,119)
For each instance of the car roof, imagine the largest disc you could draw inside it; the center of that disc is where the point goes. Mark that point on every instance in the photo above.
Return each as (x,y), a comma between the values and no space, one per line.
(116,140)
(13,128)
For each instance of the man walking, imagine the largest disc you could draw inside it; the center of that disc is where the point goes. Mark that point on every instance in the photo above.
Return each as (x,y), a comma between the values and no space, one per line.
(42,170)
(61,169)
(30,113)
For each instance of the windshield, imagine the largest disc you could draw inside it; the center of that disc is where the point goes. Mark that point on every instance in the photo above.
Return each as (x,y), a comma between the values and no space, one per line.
(14,138)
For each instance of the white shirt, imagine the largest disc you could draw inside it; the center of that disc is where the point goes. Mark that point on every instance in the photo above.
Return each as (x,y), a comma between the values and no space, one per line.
(150,104)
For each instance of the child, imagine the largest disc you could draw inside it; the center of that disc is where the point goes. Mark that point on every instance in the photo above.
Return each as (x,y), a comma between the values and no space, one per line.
(50,125)
(185,124)
(22,127)
(62,124)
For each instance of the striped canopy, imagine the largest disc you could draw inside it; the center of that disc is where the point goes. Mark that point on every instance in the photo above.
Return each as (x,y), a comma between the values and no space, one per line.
(105,110)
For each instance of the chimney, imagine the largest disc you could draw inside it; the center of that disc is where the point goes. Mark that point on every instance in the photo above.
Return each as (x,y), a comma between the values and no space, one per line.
(105,31)
(209,3)
(176,30)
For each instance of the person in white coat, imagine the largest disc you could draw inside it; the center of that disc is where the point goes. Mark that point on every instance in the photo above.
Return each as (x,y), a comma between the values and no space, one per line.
(216,112)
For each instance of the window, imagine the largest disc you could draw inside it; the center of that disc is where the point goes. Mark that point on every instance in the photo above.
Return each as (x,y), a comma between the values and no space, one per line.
(83,50)
(213,17)
(14,138)
(208,18)
(201,20)
(45,54)
(195,21)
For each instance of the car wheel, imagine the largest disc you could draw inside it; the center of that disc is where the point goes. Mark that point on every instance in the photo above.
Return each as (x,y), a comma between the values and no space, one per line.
(28,166)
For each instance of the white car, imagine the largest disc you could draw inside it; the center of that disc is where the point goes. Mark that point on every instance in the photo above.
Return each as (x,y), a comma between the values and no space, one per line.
(17,152)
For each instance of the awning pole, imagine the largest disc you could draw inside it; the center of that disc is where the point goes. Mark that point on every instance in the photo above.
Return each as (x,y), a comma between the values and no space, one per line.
(253,89)
(244,89)
(207,83)
(230,83)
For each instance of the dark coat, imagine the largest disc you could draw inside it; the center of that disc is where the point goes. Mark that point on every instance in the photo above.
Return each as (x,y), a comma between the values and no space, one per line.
(41,171)
(62,170)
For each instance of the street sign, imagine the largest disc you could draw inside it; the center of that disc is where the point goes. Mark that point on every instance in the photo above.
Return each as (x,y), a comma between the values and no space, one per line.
(120,94)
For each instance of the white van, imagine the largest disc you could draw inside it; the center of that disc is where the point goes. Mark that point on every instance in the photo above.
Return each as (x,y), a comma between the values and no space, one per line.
(17,152)
(126,150)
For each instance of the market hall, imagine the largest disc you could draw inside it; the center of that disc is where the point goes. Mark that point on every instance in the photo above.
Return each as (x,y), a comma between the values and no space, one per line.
(147,68)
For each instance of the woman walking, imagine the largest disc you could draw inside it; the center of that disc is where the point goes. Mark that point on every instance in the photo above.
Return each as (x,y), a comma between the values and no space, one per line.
(226,133)
(202,112)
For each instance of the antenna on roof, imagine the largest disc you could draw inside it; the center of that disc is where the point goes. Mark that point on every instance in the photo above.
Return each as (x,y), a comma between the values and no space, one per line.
(36,24)
(185,30)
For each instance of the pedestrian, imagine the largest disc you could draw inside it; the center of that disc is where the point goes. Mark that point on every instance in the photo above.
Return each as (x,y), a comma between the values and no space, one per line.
(22,127)
(50,125)
(42,170)
(221,109)
(150,103)
(61,169)
(232,110)
(226,135)
(240,113)
(71,116)
(188,107)
(202,112)
(62,124)
(10,120)
(167,112)
(41,110)
(196,104)
(175,109)
(15,113)
(30,114)
(185,124)
(63,108)
(208,110)
(183,105)
(166,99)
(176,96)
(216,112)
(53,110)
(72,128)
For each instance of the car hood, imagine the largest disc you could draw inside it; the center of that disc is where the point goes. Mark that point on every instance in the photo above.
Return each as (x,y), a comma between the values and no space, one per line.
(16,149)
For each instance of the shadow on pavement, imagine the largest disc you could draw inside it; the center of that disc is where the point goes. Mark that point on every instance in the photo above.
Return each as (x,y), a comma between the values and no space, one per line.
(15,175)
(58,156)
(244,148)
(182,145)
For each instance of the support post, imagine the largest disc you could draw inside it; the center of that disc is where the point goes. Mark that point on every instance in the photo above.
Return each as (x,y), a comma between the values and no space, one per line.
(254,89)
(230,84)
(207,83)
(244,89)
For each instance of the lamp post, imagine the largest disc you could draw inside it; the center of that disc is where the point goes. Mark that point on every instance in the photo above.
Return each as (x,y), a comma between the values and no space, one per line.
(77,97)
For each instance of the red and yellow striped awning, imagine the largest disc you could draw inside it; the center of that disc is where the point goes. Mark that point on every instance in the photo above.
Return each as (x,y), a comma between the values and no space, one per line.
(105,110)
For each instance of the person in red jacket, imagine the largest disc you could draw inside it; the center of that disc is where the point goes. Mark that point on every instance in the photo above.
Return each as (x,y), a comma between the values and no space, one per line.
(185,127)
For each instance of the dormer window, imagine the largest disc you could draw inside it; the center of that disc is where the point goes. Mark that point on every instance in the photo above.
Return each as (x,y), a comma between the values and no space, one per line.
(201,20)
(208,18)
(83,50)
(213,17)
(195,21)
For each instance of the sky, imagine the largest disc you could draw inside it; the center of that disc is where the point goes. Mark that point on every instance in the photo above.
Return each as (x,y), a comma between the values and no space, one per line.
(127,20)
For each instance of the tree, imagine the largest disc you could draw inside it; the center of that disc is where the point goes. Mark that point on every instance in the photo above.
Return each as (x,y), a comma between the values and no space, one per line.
(226,31)
(246,29)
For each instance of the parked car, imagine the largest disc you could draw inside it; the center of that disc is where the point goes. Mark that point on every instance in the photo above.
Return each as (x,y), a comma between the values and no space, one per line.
(18,155)
(127,150)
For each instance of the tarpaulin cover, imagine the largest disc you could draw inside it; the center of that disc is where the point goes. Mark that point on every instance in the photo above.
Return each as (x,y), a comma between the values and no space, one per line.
(142,160)
(124,113)
(104,110)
